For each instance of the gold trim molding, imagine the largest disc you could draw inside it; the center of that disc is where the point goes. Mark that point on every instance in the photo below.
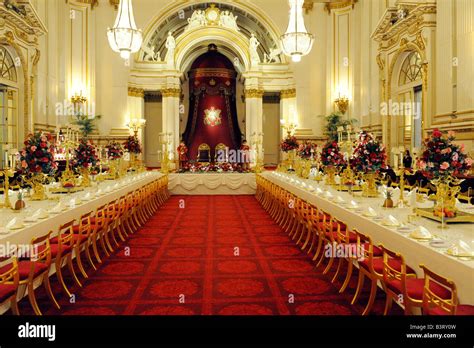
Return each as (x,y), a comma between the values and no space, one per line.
(136,92)
(288,93)
(254,93)
(93,3)
(171,92)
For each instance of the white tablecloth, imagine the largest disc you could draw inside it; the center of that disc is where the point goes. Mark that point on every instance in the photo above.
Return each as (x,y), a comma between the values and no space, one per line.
(212,184)
(117,188)
(414,252)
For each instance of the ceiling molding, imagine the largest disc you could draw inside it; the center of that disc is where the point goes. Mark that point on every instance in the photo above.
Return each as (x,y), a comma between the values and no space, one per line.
(329,5)
(93,3)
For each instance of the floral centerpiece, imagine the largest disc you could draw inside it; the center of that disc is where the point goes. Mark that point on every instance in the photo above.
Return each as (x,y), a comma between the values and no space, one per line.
(442,161)
(307,150)
(37,160)
(132,145)
(38,154)
(369,155)
(85,158)
(442,158)
(114,150)
(289,144)
(85,154)
(331,155)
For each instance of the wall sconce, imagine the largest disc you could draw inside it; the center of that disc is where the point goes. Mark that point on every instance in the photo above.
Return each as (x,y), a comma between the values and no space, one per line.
(289,128)
(342,104)
(78,98)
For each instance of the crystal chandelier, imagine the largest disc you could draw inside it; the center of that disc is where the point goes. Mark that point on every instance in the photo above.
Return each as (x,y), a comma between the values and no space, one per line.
(124,37)
(296,42)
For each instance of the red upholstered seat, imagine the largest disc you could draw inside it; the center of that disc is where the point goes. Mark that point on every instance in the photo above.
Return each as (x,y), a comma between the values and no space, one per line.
(81,237)
(333,225)
(414,287)
(55,249)
(460,310)
(377,252)
(352,236)
(378,265)
(24,268)
(6,291)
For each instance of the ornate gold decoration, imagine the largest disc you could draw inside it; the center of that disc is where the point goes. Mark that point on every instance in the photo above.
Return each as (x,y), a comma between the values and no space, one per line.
(330,173)
(338,5)
(213,15)
(136,92)
(369,187)
(380,62)
(171,92)
(7,174)
(288,93)
(446,191)
(254,93)
(114,3)
(86,180)
(36,182)
(342,104)
(93,3)
(212,117)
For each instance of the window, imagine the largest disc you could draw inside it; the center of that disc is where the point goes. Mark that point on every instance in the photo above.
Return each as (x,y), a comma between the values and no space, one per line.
(411,69)
(7,65)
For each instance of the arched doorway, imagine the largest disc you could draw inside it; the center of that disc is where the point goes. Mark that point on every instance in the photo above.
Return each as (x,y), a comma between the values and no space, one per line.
(407,100)
(212,120)
(9,97)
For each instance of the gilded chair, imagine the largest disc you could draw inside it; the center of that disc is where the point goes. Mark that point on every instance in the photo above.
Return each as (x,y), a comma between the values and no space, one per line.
(204,153)
(221,154)
(9,279)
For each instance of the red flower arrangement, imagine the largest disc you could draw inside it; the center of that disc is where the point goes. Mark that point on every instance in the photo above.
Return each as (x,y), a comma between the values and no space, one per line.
(307,149)
(289,144)
(331,155)
(85,154)
(132,145)
(369,155)
(442,158)
(38,154)
(114,150)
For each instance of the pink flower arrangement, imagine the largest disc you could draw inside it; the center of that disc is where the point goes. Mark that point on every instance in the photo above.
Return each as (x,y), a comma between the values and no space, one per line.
(442,157)
(38,154)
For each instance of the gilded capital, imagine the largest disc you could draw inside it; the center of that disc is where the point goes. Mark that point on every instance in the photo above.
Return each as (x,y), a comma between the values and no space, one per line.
(171,92)
(288,93)
(254,93)
(136,92)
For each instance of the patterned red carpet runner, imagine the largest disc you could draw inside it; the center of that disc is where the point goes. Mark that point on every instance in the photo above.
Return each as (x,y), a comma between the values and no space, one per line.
(217,255)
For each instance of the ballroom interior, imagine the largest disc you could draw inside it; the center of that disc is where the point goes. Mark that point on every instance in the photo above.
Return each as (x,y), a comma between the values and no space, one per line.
(245,157)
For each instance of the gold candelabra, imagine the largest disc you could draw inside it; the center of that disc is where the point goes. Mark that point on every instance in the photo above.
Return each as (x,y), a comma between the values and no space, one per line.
(342,104)
(257,143)
(7,173)
(402,202)
(165,141)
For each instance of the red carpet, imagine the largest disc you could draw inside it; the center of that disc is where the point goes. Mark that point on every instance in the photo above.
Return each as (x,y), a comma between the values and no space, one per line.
(220,255)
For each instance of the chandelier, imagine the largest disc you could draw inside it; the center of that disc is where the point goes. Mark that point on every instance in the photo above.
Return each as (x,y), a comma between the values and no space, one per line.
(124,37)
(296,42)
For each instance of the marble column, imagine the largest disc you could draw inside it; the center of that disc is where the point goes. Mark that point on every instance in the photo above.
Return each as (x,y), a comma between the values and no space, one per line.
(171,116)
(254,116)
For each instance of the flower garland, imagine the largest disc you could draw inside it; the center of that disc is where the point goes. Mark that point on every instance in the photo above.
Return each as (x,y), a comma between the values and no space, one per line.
(289,144)
(369,154)
(132,145)
(331,155)
(38,154)
(442,158)
(307,150)
(85,154)
(114,150)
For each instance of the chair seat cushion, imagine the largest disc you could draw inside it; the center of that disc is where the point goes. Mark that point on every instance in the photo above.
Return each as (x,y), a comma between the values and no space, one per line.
(76,237)
(322,226)
(6,291)
(378,265)
(460,310)
(334,235)
(415,286)
(377,252)
(24,268)
(65,249)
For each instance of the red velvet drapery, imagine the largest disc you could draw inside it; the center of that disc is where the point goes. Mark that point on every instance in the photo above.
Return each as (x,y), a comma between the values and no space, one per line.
(212,80)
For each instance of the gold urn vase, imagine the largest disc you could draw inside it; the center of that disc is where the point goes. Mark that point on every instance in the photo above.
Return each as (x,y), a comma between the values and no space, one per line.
(369,188)
(330,173)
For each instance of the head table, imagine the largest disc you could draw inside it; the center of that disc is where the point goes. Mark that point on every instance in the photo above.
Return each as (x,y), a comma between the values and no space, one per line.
(415,252)
(84,201)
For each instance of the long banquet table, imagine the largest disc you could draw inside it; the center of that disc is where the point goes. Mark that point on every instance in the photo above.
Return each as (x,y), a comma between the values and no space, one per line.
(414,251)
(212,184)
(111,190)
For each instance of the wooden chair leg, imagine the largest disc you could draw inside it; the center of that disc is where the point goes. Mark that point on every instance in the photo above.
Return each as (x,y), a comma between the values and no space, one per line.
(350,267)
(360,285)
(79,262)
(373,293)
(89,256)
(70,266)
(49,292)
(14,305)
(59,275)
(339,267)
(32,298)
(388,304)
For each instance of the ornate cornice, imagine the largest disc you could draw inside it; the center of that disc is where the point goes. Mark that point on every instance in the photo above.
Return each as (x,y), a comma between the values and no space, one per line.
(338,5)
(171,92)
(254,93)
(93,3)
(288,93)
(136,92)
(114,3)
